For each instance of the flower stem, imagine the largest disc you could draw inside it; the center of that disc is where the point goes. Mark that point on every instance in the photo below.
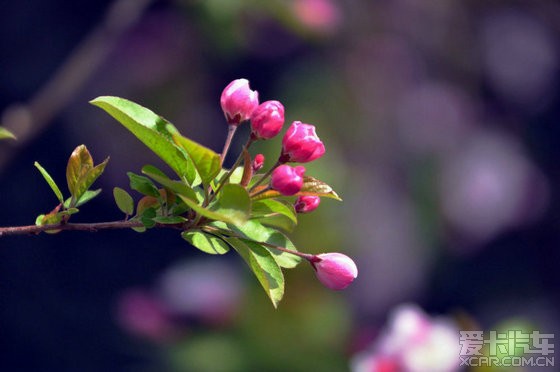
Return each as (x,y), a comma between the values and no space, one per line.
(226,177)
(231,131)
(307,256)
(268,173)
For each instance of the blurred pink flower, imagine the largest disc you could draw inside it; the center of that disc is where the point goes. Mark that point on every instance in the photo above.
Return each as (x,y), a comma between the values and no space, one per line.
(142,314)
(318,15)
(433,117)
(485,186)
(520,57)
(208,290)
(412,342)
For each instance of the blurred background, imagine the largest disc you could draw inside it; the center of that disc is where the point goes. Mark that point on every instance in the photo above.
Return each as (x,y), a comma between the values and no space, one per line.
(441,121)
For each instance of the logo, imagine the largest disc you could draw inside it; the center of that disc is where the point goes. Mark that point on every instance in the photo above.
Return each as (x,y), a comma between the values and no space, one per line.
(513,348)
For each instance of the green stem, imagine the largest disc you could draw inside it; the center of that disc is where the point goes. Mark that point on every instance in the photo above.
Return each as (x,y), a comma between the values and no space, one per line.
(226,177)
(265,176)
(307,256)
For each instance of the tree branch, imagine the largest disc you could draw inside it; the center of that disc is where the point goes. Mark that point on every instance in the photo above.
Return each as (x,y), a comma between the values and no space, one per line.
(28,120)
(91,227)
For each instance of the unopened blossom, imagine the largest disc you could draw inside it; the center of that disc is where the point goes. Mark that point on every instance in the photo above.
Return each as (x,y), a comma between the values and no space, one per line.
(267,119)
(258,163)
(238,101)
(335,270)
(301,144)
(307,203)
(287,180)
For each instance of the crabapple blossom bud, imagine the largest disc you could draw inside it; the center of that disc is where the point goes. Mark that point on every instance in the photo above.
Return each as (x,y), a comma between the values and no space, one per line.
(287,180)
(238,101)
(307,203)
(335,270)
(258,162)
(301,144)
(267,119)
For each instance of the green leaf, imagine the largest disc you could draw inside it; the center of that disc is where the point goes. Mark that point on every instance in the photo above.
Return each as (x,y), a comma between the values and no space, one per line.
(153,130)
(5,134)
(145,203)
(233,206)
(147,218)
(170,220)
(275,213)
(235,177)
(86,196)
(139,229)
(234,202)
(79,163)
(311,186)
(143,185)
(178,187)
(54,217)
(80,172)
(264,266)
(207,212)
(50,181)
(206,242)
(206,161)
(124,201)
(255,231)
(68,212)
(39,220)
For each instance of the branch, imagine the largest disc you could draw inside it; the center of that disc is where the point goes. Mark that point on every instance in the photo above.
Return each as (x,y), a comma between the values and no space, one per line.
(91,227)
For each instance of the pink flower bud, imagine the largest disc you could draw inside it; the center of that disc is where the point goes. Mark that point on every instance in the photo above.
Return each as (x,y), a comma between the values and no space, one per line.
(258,163)
(267,119)
(287,180)
(335,270)
(307,203)
(238,101)
(301,144)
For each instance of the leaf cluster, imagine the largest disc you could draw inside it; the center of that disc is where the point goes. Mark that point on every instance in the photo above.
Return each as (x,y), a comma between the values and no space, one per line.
(81,173)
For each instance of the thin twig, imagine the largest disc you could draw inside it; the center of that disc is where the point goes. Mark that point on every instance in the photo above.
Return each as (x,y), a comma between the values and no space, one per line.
(91,227)
(268,173)
(28,120)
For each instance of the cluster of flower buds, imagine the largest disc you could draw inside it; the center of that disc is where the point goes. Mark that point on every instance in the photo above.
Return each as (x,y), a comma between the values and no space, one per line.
(300,144)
